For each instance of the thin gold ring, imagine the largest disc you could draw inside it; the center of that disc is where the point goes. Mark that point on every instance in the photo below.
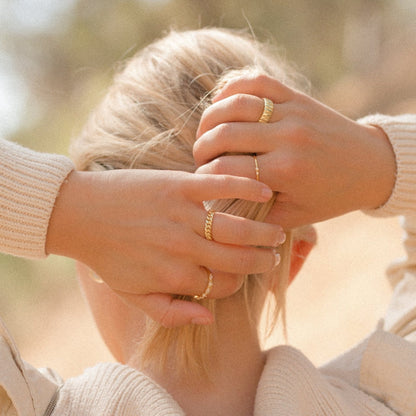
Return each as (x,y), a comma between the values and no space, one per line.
(208,225)
(256,167)
(267,111)
(209,287)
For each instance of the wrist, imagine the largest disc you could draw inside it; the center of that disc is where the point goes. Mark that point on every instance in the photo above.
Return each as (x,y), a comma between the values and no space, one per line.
(381,169)
(66,218)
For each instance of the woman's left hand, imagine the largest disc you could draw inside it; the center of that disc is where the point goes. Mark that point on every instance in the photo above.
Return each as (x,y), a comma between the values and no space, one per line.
(321,163)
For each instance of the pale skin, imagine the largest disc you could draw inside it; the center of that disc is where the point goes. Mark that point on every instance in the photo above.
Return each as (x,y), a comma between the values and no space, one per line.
(309,151)
(321,163)
(231,392)
(142,232)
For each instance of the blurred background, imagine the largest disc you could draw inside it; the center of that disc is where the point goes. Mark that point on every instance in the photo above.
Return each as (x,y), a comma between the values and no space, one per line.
(58,57)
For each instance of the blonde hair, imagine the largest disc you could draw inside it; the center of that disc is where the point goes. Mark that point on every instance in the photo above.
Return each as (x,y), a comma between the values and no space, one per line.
(148,120)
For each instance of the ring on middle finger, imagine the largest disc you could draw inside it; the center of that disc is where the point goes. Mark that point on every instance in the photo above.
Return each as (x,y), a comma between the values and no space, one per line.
(267,111)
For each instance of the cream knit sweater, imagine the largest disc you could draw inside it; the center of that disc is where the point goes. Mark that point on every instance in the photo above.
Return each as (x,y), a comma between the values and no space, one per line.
(29,184)
(377,377)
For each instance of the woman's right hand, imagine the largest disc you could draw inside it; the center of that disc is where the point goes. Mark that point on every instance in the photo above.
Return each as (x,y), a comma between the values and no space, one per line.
(142,232)
(321,163)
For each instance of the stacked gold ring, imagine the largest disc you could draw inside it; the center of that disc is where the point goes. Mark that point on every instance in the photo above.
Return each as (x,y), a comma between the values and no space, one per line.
(209,287)
(267,111)
(208,225)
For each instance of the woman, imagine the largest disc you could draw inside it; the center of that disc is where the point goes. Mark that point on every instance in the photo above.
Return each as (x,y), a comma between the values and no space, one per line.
(149,119)
(100,218)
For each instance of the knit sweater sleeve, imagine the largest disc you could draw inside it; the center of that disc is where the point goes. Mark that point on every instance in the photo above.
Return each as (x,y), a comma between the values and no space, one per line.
(401,131)
(384,365)
(29,184)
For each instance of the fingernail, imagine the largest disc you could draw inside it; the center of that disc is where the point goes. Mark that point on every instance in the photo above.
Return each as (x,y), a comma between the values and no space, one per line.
(277,259)
(281,238)
(266,193)
(201,321)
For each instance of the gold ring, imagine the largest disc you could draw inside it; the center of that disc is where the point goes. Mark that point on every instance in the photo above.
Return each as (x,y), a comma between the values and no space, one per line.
(209,287)
(256,167)
(267,111)
(208,225)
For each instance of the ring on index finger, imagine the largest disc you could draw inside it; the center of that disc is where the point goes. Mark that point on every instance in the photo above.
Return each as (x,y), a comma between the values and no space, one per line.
(208,225)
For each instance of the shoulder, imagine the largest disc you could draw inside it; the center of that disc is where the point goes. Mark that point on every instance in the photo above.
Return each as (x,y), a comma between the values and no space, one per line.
(291,384)
(115,389)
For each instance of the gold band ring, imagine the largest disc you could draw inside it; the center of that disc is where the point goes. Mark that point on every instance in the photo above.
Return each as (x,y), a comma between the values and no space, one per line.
(267,111)
(209,287)
(256,167)
(208,225)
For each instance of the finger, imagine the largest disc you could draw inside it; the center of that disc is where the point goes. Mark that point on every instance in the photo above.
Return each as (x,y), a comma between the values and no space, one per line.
(210,187)
(168,311)
(230,229)
(259,85)
(186,277)
(235,138)
(288,214)
(238,107)
(241,166)
(236,259)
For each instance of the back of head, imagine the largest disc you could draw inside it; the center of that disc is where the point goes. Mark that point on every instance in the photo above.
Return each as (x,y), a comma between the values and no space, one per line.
(149,119)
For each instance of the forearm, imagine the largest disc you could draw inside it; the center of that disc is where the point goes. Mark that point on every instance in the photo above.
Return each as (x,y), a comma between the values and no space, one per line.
(29,185)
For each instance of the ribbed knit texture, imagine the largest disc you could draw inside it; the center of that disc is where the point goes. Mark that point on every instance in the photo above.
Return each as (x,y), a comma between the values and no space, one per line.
(292,386)
(29,185)
(114,389)
(402,133)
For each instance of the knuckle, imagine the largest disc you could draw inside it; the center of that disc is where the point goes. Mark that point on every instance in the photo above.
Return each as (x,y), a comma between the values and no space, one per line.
(241,100)
(262,79)
(223,183)
(289,168)
(219,166)
(303,101)
(299,129)
(223,131)
(197,151)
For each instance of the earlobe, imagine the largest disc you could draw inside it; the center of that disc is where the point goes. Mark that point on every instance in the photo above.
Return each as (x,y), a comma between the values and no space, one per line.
(300,251)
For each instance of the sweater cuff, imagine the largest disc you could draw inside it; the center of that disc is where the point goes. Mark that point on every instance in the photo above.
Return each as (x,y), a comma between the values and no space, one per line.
(29,185)
(401,131)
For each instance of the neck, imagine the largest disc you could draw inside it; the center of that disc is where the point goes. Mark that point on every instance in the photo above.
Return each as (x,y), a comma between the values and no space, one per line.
(234,370)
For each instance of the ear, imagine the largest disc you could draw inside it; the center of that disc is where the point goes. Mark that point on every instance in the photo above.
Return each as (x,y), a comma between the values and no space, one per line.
(300,251)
